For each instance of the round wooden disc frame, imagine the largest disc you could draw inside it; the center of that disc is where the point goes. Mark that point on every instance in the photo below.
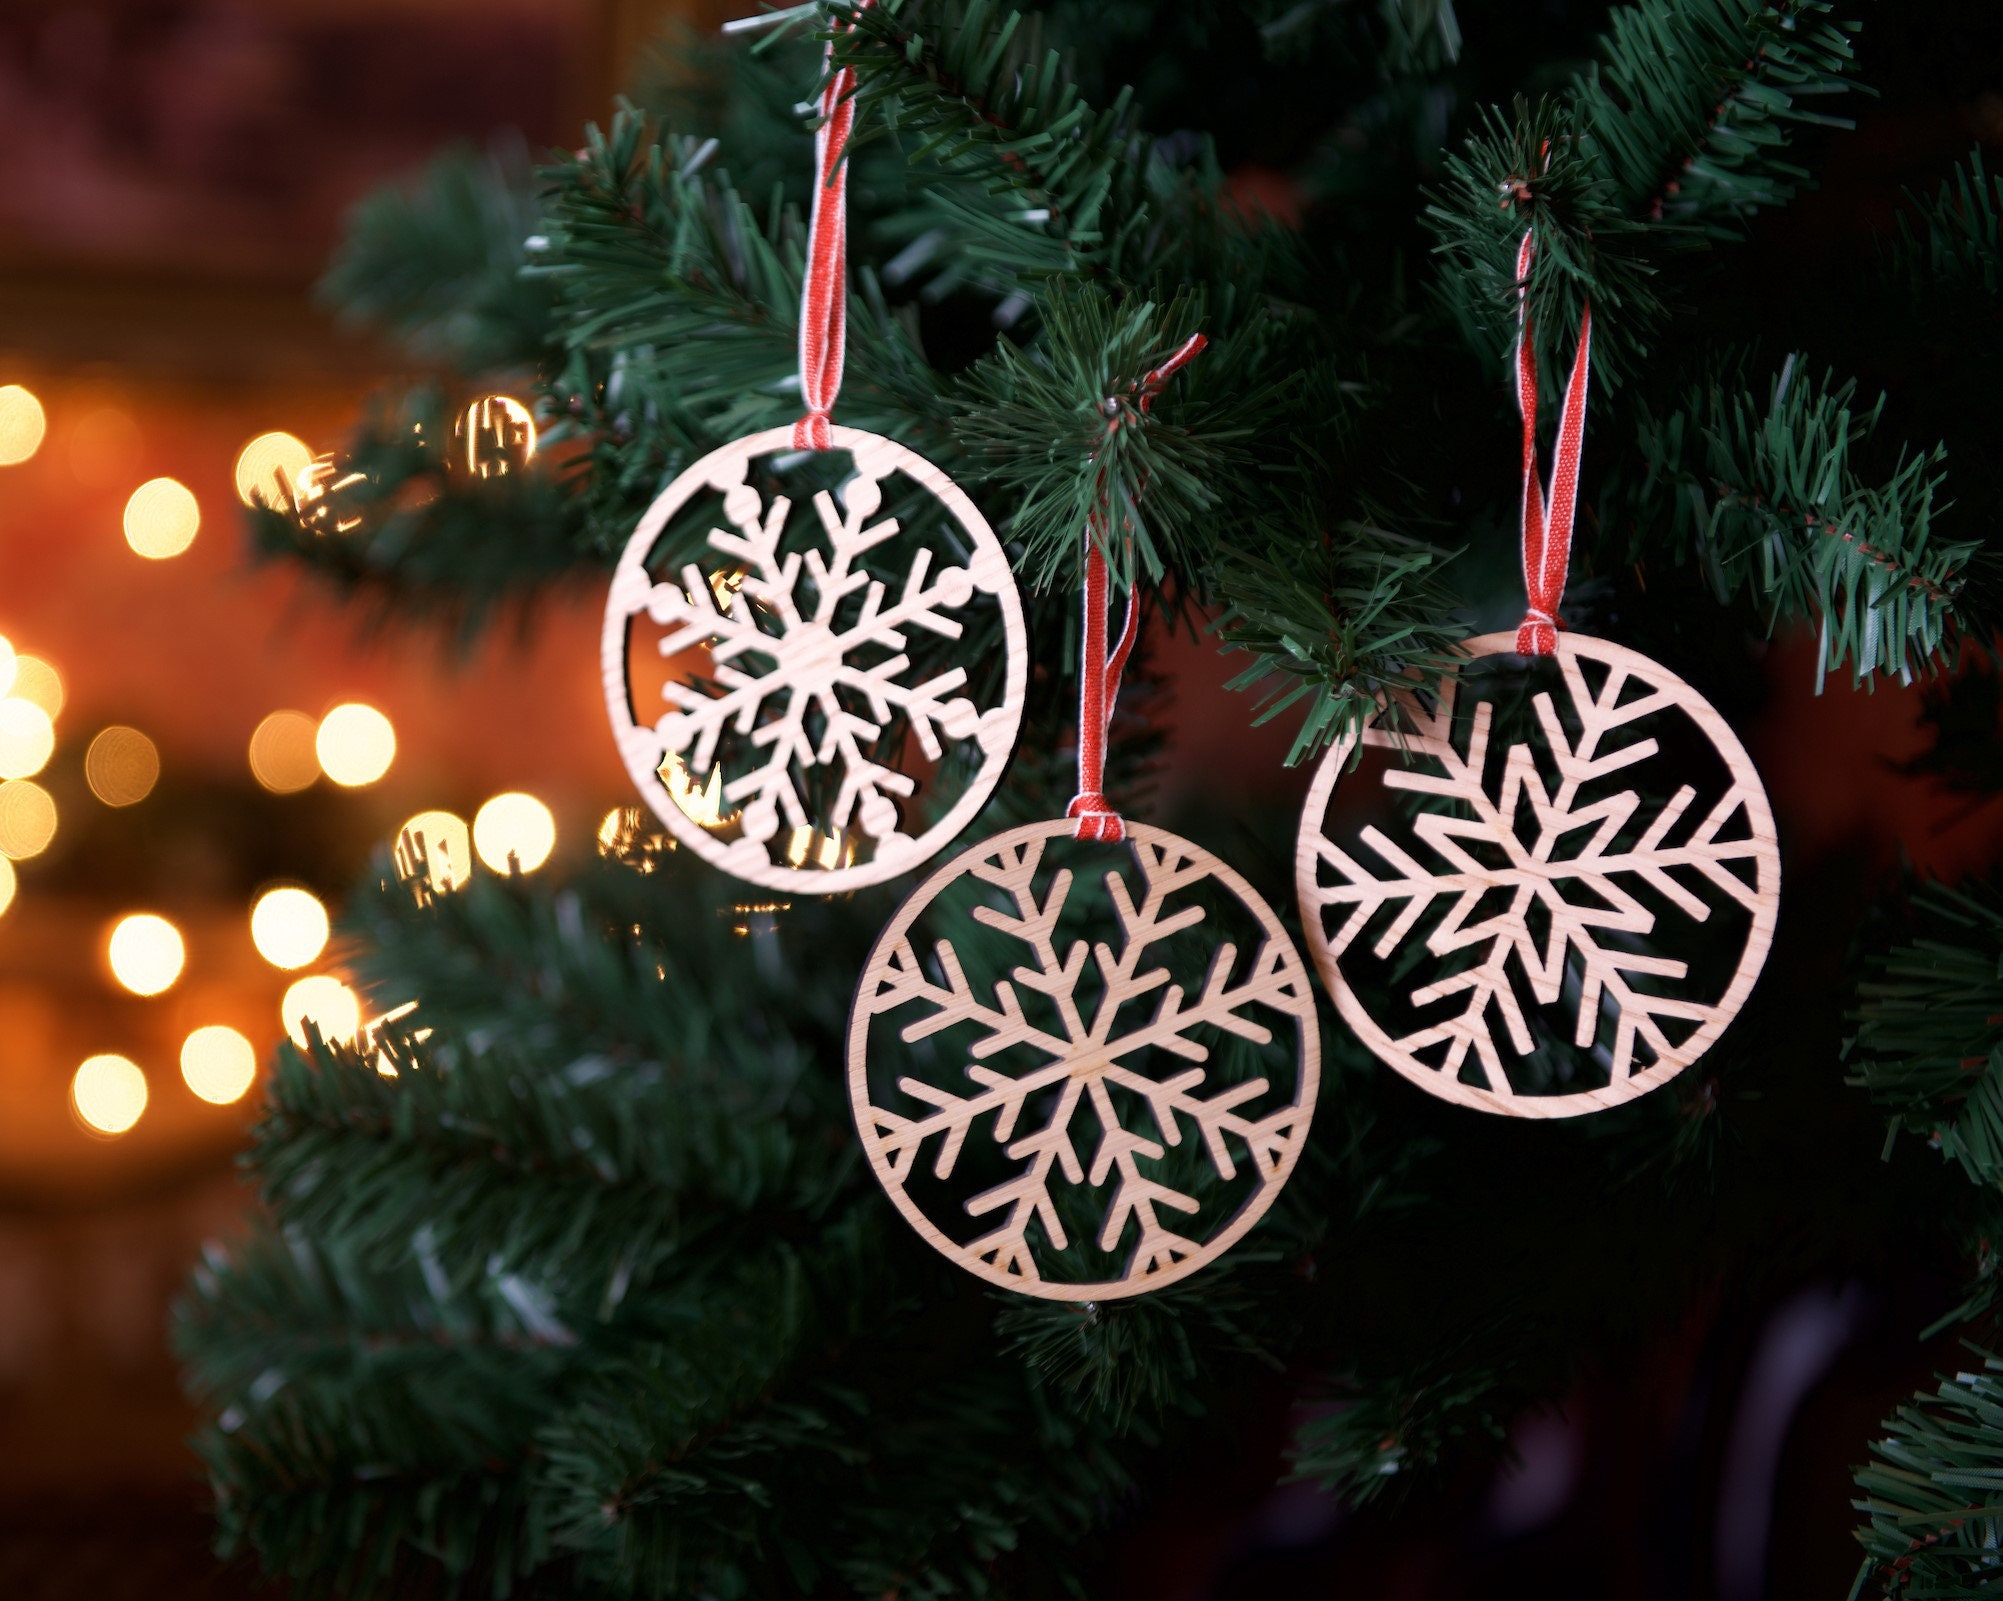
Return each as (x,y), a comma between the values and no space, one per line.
(1761,848)
(641,746)
(1278,979)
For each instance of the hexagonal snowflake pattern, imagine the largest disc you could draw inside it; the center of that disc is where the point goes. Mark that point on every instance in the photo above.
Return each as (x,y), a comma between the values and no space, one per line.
(1559,882)
(1090,1064)
(811,664)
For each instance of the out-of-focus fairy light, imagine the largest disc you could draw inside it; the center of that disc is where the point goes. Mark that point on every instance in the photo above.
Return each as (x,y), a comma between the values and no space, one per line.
(7,882)
(161,518)
(495,436)
(355,744)
(218,1063)
(22,424)
(8,664)
(288,926)
(27,738)
(809,847)
(109,1093)
(325,1002)
(282,758)
(27,819)
(121,766)
(446,845)
(35,680)
(268,469)
(701,803)
(146,953)
(514,825)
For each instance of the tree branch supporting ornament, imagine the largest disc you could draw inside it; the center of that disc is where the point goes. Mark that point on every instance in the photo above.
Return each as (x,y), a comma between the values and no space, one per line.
(1580,896)
(1084,1073)
(814,653)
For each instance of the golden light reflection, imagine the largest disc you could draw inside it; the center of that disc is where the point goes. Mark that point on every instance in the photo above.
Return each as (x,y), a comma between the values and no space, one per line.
(289,927)
(146,953)
(161,518)
(27,738)
(700,803)
(445,845)
(8,664)
(282,757)
(326,1003)
(495,436)
(22,424)
(514,825)
(35,680)
(355,744)
(268,469)
(218,1064)
(7,883)
(322,492)
(121,766)
(27,819)
(809,847)
(109,1093)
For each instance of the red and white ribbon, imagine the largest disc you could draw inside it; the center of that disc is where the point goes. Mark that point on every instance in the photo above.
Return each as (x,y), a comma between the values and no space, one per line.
(1547,523)
(824,292)
(1099,673)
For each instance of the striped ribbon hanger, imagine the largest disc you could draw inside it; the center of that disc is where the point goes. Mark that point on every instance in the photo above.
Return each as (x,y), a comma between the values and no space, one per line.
(1547,521)
(824,291)
(1099,672)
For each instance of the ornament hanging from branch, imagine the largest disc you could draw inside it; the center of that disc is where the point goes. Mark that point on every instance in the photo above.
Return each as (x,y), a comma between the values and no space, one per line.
(1587,900)
(1083,1073)
(814,630)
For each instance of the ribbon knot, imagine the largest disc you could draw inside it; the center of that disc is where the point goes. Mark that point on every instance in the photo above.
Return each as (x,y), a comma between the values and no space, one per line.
(1097,821)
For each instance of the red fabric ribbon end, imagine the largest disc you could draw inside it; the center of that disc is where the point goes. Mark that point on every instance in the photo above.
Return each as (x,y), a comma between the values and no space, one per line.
(1097,821)
(811,432)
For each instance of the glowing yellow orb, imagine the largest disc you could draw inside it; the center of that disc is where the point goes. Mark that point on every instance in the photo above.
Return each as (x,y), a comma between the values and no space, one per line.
(495,435)
(8,665)
(27,738)
(514,825)
(146,953)
(27,819)
(22,424)
(218,1063)
(288,927)
(35,680)
(282,757)
(326,1003)
(161,518)
(355,744)
(447,848)
(109,1093)
(268,469)
(121,766)
(7,882)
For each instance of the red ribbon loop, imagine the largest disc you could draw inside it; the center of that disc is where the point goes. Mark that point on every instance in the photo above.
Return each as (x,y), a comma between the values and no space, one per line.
(824,291)
(1547,523)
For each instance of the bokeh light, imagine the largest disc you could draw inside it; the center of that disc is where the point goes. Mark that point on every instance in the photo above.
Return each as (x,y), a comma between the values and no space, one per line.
(8,665)
(146,953)
(268,469)
(327,1003)
(282,757)
(355,744)
(218,1064)
(121,766)
(27,819)
(7,882)
(514,825)
(109,1093)
(496,436)
(27,738)
(161,518)
(22,424)
(288,926)
(447,845)
(36,681)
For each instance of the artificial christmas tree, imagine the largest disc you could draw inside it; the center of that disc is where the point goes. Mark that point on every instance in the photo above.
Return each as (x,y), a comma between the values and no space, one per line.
(575,1281)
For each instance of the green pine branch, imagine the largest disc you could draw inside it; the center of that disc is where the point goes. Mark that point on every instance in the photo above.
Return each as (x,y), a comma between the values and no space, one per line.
(1769,501)
(1929,1026)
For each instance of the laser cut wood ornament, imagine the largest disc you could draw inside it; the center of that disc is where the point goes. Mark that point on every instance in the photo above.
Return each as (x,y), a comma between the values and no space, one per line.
(806,654)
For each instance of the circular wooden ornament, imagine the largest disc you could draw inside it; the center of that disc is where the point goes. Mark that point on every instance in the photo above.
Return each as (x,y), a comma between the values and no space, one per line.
(1543,886)
(1075,1106)
(808,669)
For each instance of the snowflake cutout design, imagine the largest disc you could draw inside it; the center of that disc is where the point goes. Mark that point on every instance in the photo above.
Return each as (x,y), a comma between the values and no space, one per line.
(810,670)
(1112,1098)
(1551,889)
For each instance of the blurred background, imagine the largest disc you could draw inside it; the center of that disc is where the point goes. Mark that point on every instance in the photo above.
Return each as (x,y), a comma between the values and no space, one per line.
(198,752)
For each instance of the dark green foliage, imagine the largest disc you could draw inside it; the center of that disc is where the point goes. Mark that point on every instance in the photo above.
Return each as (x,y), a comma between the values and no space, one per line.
(1929,1019)
(1929,1494)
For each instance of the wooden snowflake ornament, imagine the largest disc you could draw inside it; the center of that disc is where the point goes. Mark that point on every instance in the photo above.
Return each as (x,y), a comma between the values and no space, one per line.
(844,670)
(1073,1105)
(1583,901)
